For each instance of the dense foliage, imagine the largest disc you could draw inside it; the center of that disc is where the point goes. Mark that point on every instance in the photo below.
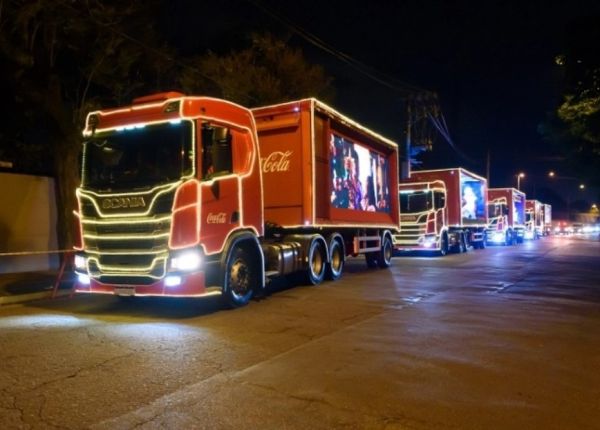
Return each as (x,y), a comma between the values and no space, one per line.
(62,59)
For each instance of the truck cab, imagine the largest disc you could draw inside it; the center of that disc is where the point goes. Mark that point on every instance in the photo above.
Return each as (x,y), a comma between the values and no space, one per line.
(534,221)
(161,196)
(423,217)
(499,230)
(506,215)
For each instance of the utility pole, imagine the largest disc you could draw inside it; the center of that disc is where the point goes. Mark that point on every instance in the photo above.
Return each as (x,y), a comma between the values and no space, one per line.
(405,154)
(487,167)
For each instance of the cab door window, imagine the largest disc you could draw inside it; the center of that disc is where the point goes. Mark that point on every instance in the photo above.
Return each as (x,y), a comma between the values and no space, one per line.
(439,200)
(217,157)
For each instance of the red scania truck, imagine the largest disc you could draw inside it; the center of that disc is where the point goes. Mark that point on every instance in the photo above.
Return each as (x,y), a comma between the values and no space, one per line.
(442,210)
(194,196)
(506,214)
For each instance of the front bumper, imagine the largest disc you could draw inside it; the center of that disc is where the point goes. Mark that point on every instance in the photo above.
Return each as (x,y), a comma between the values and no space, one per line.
(424,243)
(191,285)
(495,236)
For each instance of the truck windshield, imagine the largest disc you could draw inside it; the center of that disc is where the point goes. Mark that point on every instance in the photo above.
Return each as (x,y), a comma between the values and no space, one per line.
(528,216)
(497,210)
(415,201)
(139,158)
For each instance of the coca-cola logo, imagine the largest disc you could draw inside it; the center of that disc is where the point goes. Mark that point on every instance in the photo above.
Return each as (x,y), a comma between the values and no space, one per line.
(277,161)
(219,218)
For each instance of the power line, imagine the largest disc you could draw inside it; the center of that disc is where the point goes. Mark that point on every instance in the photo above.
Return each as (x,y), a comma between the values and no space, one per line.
(402,87)
(405,88)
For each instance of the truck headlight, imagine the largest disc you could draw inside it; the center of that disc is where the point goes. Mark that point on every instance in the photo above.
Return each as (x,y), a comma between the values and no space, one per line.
(79,262)
(498,237)
(83,279)
(186,261)
(429,241)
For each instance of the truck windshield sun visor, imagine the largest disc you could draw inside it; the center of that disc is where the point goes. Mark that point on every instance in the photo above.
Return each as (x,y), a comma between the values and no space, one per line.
(138,159)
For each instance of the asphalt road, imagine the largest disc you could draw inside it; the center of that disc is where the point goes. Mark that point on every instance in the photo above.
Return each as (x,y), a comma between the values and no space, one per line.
(505,338)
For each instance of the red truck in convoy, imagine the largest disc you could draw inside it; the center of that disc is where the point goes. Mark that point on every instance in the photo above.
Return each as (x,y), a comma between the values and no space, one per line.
(194,196)
(442,210)
(506,215)
(534,219)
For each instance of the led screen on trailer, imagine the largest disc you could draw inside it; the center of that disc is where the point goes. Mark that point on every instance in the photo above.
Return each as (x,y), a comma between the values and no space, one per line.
(472,201)
(519,210)
(359,177)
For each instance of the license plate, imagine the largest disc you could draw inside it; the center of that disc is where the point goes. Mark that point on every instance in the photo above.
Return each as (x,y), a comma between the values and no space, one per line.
(124,291)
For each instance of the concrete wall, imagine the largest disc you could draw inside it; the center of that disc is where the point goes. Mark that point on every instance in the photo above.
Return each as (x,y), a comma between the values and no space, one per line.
(27,222)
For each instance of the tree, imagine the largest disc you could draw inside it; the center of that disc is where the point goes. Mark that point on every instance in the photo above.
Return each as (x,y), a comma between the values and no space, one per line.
(60,60)
(574,127)
(269,71)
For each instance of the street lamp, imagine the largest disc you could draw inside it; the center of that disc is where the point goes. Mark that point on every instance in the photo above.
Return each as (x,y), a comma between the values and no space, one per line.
(519,176)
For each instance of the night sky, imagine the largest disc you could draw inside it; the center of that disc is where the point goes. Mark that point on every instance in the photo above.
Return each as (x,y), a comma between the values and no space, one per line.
(492,64)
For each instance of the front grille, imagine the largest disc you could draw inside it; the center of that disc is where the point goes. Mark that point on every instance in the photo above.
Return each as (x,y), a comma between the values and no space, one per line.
(409,235)
(126,280)
(127,250)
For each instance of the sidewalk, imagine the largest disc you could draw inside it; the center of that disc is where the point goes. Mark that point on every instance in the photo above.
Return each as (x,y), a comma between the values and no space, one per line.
(27,286)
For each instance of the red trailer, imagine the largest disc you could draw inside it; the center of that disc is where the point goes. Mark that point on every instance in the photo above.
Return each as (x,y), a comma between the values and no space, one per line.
(195,196)
(442,210)
(506,214)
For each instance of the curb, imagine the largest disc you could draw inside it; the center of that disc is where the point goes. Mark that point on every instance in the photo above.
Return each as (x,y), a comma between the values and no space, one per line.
(21,298)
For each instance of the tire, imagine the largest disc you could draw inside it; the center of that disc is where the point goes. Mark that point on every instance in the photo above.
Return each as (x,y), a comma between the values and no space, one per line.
(335,267)
(462,246)
(384,257)
(443,245)
(317,262)
(240,278)
(483,243)
(509,238)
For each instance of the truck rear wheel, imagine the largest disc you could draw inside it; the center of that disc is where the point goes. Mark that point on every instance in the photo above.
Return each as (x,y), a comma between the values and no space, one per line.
(335,266)
(316,262)
(384,259)
(240,277)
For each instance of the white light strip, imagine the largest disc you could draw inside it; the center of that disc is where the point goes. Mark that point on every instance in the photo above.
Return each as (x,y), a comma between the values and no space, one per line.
(126,236)
(83,194)
(126,221)
(336,115)
(108,270)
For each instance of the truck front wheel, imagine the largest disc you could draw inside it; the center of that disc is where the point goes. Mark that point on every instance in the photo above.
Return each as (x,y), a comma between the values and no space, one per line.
(443,245)
(240,278)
